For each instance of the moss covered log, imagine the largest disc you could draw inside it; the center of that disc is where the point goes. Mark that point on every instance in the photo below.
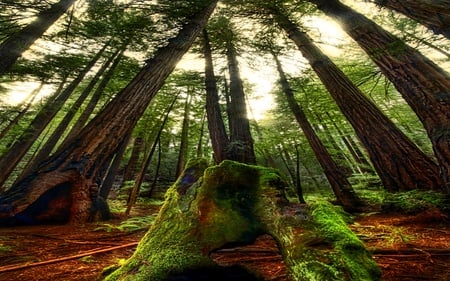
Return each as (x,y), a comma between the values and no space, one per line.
(232,203)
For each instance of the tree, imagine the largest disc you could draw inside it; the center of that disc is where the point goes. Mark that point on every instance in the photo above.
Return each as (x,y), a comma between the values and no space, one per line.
(240,147)
(395,158)
(435,15)
(58,133)
(11,158)
(423,85)
(146,161)
(73,171)
(216,126)
(17,43)
(342,188)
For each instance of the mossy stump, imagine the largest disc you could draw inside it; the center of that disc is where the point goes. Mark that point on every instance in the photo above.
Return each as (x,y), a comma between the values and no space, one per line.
(232,203)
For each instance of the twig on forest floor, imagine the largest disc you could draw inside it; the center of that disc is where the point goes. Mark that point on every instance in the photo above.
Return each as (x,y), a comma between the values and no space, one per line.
(89,253)
(410,252)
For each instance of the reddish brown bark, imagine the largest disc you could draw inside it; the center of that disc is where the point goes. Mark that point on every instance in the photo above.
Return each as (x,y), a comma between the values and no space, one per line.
(342,188)
(398,162)
(216,126)
(240,147)
(75,166)
(435,15)
(423,85)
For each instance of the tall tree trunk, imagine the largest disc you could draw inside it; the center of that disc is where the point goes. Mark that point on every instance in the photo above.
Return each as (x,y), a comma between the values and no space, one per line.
(200,137)
(342,188)
(58,133)
(398,162)
(184,140)
(240,147)
(12,157)
(216,126)
(424,86)
(298,182)
(157,169)
(108,183)
(95,98)
(73,170)
(435,15)
(146,162)
(13,47)
(130,169)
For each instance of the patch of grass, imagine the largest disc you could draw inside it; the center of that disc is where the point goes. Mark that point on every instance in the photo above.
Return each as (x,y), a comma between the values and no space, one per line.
(5,249)
(129,225)
(350,253)
(88,259)
(414,201)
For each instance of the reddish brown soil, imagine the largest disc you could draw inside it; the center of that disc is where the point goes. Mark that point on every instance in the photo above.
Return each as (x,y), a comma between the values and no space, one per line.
(405,247)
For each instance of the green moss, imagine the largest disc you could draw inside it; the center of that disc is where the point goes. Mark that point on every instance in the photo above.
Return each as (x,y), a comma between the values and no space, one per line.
(349,254)
(414,201)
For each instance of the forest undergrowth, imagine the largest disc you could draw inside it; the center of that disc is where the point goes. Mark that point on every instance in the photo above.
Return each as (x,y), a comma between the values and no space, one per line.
(408,238)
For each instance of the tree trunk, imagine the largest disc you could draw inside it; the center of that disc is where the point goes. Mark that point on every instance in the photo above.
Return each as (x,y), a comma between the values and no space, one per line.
(130,170)
(342,188)
(435,15)
(146,161)
(12,157)
(200,137)
(398,162)
(233,203)
(216,126)
(58,133)
(73,170)
(298,182)
(108,183)
(182,152)
(240,147)
(92,104)
(13,47)
(424,86)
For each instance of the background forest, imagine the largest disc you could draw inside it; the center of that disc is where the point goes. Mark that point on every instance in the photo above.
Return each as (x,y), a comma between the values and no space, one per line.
(95,48)
(111,105)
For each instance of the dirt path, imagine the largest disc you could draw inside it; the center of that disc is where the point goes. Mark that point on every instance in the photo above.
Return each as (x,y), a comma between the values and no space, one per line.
(406,248)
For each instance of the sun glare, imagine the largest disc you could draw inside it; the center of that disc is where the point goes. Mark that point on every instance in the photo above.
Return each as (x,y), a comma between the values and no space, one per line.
(329,33)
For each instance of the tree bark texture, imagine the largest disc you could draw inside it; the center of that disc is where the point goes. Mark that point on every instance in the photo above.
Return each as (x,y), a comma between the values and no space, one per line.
(208,209)
(216,126)
(75,166)
(12,157)
(435,15)
(13,47)
(423,85)
(342,188)
(184,140)
(398,162)
(240,147)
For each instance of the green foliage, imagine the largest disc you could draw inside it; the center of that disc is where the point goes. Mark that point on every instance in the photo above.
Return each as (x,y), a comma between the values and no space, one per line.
(349,252)
(414,201)
(129,225)
(87,259)
(4,249)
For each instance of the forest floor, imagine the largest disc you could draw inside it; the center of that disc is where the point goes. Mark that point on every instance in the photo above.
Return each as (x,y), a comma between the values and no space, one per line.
(406,247)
